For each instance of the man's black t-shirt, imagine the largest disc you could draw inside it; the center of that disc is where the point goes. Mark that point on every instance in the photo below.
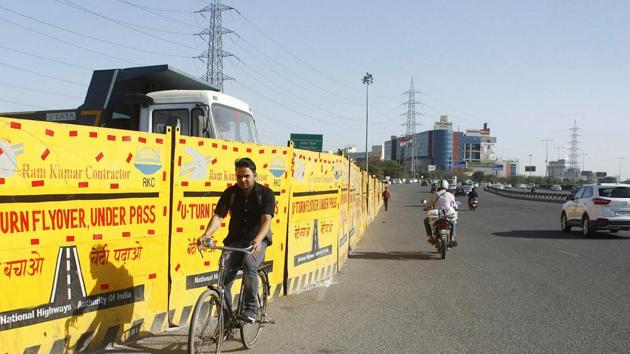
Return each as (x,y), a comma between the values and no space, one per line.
(246,212)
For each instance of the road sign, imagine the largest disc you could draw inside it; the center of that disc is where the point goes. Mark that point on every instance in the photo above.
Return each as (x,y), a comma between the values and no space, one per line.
(430,168)
(530,168)
(497,168)
(312,142)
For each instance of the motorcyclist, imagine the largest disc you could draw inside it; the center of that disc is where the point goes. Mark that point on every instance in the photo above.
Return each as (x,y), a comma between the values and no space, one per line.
(472,195)
(441,200)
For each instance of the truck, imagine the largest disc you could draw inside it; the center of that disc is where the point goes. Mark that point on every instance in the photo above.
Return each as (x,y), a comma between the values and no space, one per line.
(150,98)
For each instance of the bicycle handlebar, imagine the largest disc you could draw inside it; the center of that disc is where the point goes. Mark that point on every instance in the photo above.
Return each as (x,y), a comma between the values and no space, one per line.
(208,245)
(248,250)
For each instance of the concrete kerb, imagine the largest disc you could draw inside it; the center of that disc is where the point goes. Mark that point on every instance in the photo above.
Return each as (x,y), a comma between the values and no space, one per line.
(539,197)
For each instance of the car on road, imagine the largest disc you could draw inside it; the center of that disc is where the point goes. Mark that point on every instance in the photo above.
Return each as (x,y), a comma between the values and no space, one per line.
(555,187)
(593,207)
(464,189)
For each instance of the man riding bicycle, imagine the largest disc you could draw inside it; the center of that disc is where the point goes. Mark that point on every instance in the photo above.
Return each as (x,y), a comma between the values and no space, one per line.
(441,200)
(252,207)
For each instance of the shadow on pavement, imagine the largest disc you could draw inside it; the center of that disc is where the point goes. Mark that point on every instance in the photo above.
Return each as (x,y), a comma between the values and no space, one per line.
(556,234)
(398,256)
(166,343)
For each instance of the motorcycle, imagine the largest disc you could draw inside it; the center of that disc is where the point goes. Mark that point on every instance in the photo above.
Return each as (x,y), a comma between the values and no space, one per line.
(472,203)
(441,225)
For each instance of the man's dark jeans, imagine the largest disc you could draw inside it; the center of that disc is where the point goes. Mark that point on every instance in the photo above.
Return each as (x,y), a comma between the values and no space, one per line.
(250,266)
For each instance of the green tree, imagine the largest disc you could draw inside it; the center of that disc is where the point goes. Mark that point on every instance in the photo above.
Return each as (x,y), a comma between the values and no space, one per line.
(478,176)
(385,168)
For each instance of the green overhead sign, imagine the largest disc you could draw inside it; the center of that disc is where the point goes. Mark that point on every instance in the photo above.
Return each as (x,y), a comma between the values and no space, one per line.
(312,142)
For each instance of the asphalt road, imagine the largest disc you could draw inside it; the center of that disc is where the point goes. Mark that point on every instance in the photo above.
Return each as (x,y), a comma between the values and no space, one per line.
(515,283)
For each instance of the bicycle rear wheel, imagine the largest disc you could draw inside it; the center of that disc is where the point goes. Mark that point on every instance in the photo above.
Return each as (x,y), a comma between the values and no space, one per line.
(205,334)
(250,332)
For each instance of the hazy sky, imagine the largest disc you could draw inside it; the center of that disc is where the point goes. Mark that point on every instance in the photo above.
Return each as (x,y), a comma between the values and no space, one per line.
(527,68)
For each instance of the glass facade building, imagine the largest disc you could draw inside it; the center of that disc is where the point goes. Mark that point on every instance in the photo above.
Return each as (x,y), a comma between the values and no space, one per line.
(442,149)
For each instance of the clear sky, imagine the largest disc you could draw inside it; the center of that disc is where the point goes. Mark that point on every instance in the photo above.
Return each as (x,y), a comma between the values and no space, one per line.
(527,68)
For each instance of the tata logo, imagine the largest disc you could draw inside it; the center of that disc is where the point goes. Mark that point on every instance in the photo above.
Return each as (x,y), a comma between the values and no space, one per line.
(148,160)
(8,157)
(277,166)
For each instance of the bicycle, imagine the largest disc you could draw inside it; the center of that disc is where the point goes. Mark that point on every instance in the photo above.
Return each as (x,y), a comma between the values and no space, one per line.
(213,319)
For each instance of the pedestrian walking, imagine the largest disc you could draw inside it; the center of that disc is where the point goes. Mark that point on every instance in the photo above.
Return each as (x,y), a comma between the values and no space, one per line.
(386,196)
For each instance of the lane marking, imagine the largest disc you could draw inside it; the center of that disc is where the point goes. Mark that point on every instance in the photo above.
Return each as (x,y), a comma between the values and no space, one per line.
(569,253)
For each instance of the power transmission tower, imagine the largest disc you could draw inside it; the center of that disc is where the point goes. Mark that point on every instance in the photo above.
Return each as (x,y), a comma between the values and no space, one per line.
(573,151)
(213,56)
(411,124)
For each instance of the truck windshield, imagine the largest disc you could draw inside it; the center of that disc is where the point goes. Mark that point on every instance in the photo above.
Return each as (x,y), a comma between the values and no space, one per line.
(174,117)
(233,124)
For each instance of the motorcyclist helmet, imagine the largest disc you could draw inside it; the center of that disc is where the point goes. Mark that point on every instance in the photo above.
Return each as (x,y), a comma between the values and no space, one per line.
(443,184)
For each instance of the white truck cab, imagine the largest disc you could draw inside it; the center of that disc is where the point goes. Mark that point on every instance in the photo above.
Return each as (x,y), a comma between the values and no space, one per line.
(149,98)
(203,113)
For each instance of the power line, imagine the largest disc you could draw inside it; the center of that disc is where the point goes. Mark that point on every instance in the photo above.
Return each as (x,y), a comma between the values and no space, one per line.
(333,96)
(151,9)
(68,43)
(91,37)
(36,90)
(298,58)
(285,107)
(286,93)
(42,74)
(131,27)
(45,58)
(21,104)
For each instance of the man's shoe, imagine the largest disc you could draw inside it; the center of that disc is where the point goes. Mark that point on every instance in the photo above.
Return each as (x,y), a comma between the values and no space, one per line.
(249,316)
(430,239)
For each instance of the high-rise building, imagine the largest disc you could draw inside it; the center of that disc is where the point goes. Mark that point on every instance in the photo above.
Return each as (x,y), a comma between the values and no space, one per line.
(558,169)
(478,148)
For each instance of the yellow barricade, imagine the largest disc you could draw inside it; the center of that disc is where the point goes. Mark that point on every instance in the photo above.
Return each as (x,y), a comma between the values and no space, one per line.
(313,236)
(84,227)
(342,166)
(356,204)
(83,248)
(203,169)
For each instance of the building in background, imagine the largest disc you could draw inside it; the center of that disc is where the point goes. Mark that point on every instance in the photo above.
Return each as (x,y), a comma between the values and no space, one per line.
(558,169)
(447,150)
(375,154)
(391,149)
(510,167)
(478,150)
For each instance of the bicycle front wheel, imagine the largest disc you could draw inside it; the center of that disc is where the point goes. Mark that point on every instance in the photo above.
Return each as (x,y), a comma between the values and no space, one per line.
(250,332)
(205,334)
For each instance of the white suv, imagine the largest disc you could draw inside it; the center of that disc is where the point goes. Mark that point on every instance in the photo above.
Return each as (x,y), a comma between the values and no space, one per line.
(597,206)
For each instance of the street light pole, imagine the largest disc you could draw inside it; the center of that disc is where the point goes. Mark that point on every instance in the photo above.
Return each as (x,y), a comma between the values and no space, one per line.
(367,80)
(620,159)
(546,141)
(530,165)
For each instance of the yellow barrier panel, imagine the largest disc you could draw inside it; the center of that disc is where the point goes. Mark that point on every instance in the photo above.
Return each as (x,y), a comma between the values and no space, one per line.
(342,166)
(313,219)
(356,202)
(83,248)
(203,169)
